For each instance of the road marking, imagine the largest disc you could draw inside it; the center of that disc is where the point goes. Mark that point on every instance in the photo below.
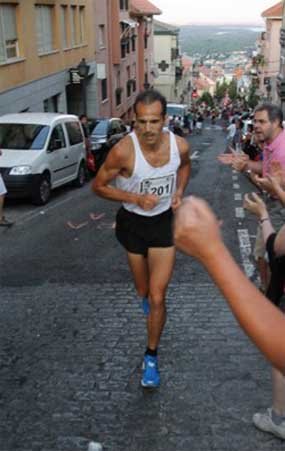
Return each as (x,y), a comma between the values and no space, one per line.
(245,251)
(76,226)
(239,211)
(236,186)
(235,177)
(195,155)
(238,196)
(96,216)
(32,215)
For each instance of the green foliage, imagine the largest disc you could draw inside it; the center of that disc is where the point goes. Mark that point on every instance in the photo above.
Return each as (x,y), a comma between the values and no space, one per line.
(221,89)
(253,98)
(207,98)
(232,90)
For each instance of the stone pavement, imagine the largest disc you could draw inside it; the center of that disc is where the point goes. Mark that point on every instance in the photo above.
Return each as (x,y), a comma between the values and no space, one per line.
(72,341)
(70,372)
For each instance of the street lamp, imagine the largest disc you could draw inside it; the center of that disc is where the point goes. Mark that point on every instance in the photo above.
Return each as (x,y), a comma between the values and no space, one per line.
(83,70)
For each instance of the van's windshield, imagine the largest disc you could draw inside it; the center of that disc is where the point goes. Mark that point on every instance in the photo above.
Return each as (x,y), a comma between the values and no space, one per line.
(23,136)
(176,110)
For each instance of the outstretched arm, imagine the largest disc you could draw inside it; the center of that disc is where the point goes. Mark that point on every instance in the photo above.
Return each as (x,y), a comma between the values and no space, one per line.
(197,233)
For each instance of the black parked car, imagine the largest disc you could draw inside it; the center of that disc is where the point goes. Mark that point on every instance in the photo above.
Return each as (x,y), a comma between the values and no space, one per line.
(105,134)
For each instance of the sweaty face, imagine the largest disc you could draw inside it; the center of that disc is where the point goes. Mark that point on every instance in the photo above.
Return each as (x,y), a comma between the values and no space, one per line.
(263,128)
(149,122)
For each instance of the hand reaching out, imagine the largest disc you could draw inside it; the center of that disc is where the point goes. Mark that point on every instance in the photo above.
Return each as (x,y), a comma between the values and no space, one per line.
(254,204)
(196,229)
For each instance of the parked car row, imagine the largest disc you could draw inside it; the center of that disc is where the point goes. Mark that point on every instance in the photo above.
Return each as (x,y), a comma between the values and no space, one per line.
(105,133)
(42,151)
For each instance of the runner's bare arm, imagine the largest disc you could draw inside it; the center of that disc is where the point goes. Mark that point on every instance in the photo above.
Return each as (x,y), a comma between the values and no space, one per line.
(183,173)
(197,233)
(119,162)
(185,166)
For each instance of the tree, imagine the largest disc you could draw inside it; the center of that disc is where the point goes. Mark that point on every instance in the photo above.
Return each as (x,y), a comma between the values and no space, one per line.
(221,89)
(233,89)
(207,98)
(253,98)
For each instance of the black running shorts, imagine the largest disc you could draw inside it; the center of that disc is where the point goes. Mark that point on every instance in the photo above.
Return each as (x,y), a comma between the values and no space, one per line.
(137,233)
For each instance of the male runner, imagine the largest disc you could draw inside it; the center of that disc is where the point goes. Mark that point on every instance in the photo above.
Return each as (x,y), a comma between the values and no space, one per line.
(152,168)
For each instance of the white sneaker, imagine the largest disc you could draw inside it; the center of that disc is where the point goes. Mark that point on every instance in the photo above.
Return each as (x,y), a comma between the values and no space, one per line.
(264,422)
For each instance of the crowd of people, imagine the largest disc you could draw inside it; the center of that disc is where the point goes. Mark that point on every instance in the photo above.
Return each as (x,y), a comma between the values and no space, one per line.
(151,169)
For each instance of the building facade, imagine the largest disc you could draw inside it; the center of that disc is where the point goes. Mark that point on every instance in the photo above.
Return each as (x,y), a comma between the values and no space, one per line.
(124,54)
(168,61)
(269,57)
(40,41)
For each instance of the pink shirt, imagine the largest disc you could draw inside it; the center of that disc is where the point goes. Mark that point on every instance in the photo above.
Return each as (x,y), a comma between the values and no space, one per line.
(274,151)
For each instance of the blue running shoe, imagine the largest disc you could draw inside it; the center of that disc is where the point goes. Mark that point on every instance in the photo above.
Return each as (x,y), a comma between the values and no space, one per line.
(145,306)
(151,377)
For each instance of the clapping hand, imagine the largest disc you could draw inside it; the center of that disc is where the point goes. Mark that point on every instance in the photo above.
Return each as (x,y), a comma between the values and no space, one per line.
(254,204)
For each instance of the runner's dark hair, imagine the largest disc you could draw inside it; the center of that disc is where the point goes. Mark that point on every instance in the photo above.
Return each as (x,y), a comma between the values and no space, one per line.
(274,111)
(150,96)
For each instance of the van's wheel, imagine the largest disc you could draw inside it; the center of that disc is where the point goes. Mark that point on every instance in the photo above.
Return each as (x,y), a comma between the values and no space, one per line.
(42,192)
(81,176)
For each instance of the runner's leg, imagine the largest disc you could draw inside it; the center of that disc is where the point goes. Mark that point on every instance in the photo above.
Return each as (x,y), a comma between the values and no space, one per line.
(139,269)
(160,263)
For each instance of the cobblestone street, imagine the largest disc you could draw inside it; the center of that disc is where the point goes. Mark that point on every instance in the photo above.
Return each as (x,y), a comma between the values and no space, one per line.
(72,341)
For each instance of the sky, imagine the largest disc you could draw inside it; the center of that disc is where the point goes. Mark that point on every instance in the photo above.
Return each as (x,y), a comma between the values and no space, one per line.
(212,11)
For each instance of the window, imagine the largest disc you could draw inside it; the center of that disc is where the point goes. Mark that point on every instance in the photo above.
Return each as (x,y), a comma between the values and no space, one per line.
(57,139)
(116,127)
(51,104)
(74,133)
(145,40)
(129,82)
(133,38)
(63,19)
(118,94)
(8,33)
(44,28)
(124,4)
(23,136)
(81,24)
(104,90)
(73,26)
(129,88)
(102,35)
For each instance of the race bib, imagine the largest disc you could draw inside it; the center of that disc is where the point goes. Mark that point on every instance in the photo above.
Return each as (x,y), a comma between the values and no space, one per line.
(160,186)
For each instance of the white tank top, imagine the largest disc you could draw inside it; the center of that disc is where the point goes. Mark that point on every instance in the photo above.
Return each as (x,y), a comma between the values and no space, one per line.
(147,179)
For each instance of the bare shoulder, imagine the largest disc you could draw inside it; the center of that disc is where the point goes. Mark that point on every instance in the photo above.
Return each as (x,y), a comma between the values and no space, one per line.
(183,145)
(122,151)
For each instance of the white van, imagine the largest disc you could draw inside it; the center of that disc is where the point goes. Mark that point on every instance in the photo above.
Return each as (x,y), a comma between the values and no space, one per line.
(41,151)
(176,109)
